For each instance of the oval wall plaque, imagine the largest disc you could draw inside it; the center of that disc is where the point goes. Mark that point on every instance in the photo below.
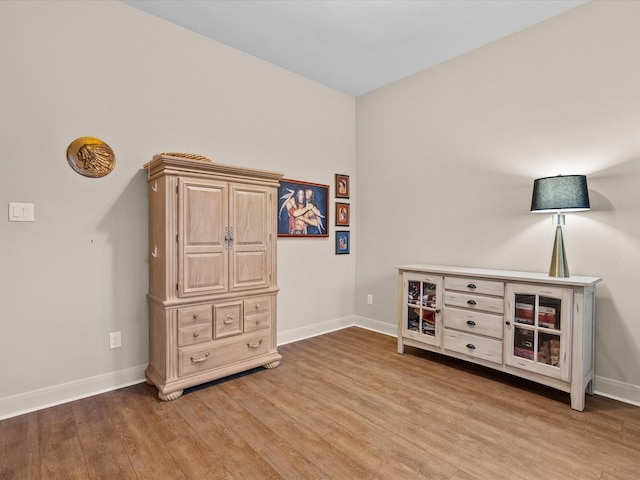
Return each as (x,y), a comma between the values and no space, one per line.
(91,157)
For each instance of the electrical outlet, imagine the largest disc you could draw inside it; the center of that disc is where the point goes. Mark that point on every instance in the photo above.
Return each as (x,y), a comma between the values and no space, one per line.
(115,340)
(369,299)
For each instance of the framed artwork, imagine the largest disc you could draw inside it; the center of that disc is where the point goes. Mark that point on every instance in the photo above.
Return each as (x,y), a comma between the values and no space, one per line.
(342,186)
(343,242)
(342,214)
(303,209)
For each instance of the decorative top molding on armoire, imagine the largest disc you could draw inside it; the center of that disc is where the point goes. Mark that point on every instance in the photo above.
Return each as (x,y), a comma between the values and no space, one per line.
(212,271)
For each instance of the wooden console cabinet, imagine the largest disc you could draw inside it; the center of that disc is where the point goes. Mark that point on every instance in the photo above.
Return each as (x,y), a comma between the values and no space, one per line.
(212,271)
(527,324)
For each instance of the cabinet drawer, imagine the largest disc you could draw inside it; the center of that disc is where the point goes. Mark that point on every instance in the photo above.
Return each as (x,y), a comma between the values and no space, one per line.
(194,334)
(474,322)
(196,315)
(222,353)
(474,346)
(475,302)
(227,319)
(257,313)
(473,285)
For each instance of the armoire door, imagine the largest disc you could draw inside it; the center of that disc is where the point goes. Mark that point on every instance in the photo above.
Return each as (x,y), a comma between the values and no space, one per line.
(251,217)
(203,237)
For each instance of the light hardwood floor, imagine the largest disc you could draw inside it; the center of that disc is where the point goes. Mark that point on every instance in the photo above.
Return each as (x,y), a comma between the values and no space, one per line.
(343,405)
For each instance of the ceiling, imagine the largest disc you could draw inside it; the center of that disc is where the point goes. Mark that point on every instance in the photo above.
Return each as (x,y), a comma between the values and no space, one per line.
(355,46)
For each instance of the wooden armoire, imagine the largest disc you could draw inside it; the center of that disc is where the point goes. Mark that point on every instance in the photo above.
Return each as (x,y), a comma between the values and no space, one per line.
(212,271)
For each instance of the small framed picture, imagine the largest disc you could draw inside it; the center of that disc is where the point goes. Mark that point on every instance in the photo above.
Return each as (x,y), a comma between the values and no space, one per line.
(342,186)
(342,214)
(342,242)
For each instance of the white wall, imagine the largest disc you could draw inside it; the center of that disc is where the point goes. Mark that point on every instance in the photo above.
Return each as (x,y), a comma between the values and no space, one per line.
(447,159)
(105,69)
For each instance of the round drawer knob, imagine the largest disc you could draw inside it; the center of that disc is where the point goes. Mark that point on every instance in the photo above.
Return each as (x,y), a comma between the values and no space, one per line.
(195,334)
(195,316)
(257,306)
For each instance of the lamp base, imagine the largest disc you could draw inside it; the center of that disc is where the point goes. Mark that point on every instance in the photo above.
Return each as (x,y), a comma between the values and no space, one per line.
(559,266)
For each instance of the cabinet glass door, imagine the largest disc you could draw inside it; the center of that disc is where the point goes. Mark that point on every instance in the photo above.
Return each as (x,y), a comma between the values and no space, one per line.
(422,307)
(538,329)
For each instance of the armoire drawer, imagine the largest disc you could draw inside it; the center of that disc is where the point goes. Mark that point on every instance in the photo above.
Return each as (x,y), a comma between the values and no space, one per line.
(195,334)
(227,319)
(195,315)
(257,313)
(194,325)
(222,353)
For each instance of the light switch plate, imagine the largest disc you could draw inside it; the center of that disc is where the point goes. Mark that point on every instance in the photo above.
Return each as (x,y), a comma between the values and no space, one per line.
(21,212)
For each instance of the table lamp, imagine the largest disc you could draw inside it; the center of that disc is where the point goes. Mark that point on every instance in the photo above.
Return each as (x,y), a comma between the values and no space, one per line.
(560,194)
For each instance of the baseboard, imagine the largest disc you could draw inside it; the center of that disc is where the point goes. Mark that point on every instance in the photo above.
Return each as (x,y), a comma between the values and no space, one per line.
(297,334)
(67,392)
(616,390)
(376,326)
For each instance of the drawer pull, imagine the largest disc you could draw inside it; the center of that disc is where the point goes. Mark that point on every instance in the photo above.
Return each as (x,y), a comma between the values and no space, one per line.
(228,320)
(258,322)
(472,286)
(196,334)
(471,323)
(257,306)
(195,316)
(201,359)
(471,302)
(254,345)
(471,346)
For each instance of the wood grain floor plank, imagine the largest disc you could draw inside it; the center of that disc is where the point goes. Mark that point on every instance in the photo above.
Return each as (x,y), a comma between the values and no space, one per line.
(136,428)
(208,422)
(20,447)
(61,455)
(104,452)
(198,460)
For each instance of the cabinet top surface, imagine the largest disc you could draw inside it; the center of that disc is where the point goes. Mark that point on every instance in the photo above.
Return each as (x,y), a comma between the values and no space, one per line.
(574,280)
(164,163)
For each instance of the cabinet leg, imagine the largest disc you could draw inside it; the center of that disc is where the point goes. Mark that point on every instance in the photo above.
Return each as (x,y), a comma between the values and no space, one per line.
(169,396)
(275,364)
(577,399)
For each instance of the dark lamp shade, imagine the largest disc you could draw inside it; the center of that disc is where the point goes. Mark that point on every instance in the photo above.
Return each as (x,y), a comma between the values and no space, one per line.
(564,192)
